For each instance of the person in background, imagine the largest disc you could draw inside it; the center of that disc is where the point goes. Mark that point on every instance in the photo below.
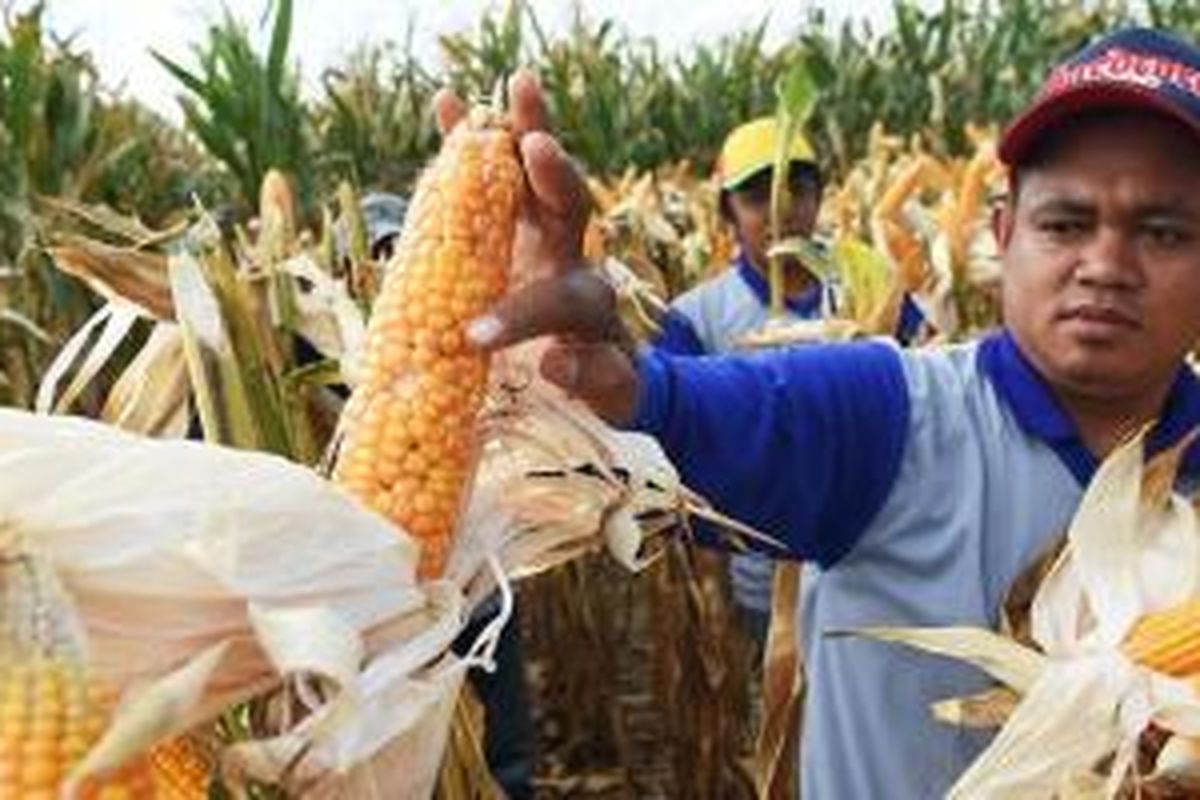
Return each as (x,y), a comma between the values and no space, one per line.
(383,213)
(713,316)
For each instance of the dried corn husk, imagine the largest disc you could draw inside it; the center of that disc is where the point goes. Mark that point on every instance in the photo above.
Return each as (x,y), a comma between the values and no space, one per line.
(1177,767)
(784,685)
(87,352)
(328,317)
(785,332)
(1133,548)
(151,396)
(134,276)
(203,576)
(555,482)
(638,300)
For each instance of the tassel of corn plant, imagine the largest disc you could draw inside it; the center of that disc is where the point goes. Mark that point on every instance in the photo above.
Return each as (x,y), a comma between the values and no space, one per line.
(1168,641)
(409,429)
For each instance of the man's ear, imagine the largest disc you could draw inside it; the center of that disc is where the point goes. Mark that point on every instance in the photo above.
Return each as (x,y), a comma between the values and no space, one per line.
(1003,217)
(724,209)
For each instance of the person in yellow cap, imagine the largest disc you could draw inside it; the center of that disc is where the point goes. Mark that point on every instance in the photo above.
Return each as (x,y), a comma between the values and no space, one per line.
(718,311)
(715,314)
(744,171)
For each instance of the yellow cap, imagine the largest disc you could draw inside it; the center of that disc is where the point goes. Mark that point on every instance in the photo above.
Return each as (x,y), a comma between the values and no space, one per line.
(751,147)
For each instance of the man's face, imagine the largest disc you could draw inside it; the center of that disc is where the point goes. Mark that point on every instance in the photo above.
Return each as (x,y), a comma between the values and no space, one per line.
(1102,257)
(750,207)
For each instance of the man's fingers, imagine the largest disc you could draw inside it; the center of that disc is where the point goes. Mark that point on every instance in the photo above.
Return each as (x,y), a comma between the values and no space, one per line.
(526,103)
(448,109)
(527,106)
(556,182)
(601,375)
(577,304)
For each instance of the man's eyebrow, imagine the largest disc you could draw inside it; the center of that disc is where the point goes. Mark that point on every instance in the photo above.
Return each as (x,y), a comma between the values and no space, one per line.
(1062,204)
(1177,211)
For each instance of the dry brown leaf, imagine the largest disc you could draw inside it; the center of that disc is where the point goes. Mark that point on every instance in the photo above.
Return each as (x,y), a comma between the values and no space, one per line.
(119,274)
(1015,612)
(988,709)
(783,688)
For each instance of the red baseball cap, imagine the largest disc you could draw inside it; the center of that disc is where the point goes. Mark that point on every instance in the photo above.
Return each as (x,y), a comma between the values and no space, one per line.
(1132,68)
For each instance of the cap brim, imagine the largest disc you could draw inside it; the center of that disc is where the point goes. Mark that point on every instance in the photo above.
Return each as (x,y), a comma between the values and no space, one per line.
(1054,109)
(736,181)
(380,233)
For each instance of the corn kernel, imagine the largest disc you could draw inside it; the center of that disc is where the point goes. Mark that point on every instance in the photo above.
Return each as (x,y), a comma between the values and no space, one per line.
(1168,641)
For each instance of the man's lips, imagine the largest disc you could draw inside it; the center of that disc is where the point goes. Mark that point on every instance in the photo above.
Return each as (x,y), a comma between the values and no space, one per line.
(1101,316)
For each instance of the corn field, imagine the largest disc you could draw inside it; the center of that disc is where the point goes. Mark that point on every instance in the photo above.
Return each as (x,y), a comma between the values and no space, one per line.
(214,281)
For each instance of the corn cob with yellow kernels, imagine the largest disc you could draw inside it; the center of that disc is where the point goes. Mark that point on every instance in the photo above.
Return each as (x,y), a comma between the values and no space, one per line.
(1168,641)
(52,709)
(51,714)
(409,443)
(180,770)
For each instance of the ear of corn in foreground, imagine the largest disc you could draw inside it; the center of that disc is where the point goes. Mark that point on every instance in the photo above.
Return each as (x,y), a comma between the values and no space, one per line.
(52,712)
(50,716)
(53,709)
(409,442)
(1168,641)
(180,770)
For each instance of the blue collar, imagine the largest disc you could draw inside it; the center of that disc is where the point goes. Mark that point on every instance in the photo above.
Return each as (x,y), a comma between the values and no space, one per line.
(1038,411)
(806,305)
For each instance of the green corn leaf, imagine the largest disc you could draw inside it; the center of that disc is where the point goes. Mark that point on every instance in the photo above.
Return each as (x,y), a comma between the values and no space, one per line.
(190,81)
(808,253)
(796,95)
(281,36)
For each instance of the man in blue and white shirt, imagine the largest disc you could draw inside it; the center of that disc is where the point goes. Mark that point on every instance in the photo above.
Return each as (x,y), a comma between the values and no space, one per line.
(923,483)
(716,314)
(713,316)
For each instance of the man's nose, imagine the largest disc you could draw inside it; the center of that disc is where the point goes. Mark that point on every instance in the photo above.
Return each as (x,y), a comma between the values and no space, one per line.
(1110,259)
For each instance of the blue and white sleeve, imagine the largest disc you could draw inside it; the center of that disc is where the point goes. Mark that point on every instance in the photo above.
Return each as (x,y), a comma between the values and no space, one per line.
(802,443)
(678,335)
